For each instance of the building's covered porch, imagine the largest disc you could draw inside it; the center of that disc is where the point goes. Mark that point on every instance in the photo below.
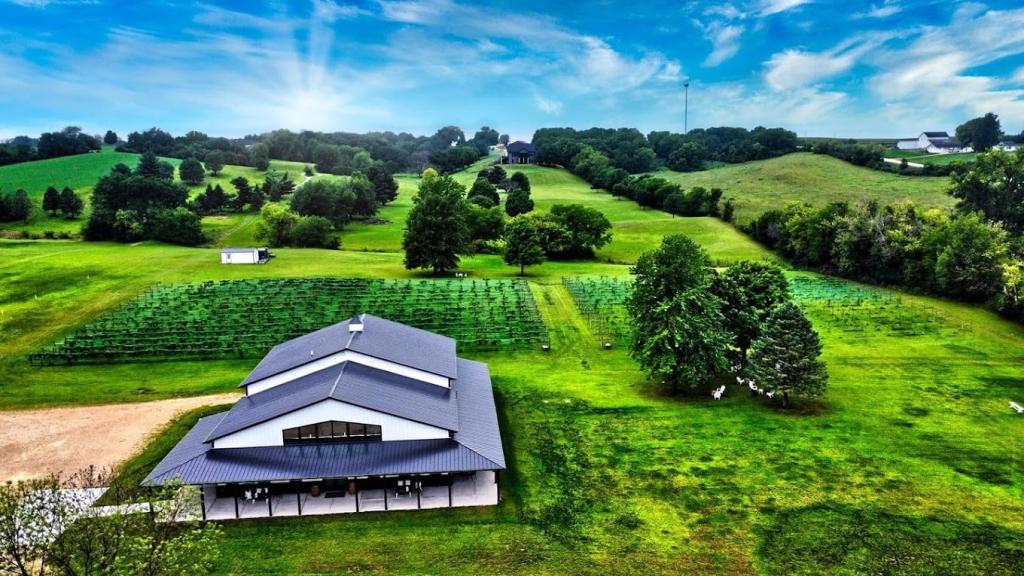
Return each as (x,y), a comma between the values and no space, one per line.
(316,496)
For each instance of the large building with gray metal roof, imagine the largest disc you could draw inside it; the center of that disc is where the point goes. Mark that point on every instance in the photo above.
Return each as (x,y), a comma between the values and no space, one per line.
(363,415)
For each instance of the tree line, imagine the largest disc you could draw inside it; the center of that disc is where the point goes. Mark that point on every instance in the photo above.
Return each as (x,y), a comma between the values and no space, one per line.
(627,149)
(67,142)
(974,253)
(694,327)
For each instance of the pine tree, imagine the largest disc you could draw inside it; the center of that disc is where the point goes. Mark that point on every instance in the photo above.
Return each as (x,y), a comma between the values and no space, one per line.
(784,358)
(70,203)
(51,201)
(522,244)
(518,202)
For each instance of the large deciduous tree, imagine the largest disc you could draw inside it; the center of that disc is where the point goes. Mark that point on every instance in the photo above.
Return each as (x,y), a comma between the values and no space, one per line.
(522,244)
(436,231)
(994,184)
(749,291)
(677,323)
(784,357)
(110,138)
(328,198)
(980,133)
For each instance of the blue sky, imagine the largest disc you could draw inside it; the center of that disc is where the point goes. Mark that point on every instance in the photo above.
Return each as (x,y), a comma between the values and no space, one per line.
(821,67)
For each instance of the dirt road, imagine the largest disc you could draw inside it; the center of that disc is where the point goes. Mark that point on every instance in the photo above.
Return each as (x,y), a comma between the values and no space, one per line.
(38,442)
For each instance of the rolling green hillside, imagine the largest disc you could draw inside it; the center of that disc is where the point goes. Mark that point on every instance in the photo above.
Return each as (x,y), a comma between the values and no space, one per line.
(81,172)
(756,187)
(911,457)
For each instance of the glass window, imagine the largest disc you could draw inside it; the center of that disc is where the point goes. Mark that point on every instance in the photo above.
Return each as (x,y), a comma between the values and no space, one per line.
(331,431)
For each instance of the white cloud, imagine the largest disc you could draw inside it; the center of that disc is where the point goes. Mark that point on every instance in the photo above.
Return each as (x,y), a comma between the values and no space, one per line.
(884,10)
(547,105)
(1018,76)
(770,7)
(725,41)
(936,69)
(793,68)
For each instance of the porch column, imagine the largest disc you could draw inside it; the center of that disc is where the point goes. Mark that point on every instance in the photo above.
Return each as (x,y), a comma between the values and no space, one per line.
(202,499)
(385,494)
(298,496)
(357,499)
(419,494)
(235,492)
(449,490)
(270,501)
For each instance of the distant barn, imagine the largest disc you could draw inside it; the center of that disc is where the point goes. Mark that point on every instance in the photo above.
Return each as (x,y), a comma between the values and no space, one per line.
(244,256)
(520,152)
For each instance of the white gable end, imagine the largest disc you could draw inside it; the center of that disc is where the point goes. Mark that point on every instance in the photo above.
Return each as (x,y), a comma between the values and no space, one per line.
(269,433)
(345,356)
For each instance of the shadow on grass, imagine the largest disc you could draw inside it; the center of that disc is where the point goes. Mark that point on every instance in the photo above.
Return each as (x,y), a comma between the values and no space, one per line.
(831,538)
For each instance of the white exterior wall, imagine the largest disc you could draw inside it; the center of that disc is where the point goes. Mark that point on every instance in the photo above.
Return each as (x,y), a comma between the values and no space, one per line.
(345,355)
(239,257)
(269,433)
(908,145)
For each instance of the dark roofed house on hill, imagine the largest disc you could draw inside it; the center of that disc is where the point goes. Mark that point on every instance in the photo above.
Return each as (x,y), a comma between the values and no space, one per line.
(363,415)
(520,152)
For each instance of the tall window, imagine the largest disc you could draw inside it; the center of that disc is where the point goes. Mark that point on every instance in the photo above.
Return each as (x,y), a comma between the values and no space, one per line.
(332,431)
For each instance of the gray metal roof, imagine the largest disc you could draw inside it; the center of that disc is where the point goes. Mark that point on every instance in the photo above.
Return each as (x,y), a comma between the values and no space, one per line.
(295,462)
(478,418)
(467,409)
(379,338)
(936,134)
(352,383)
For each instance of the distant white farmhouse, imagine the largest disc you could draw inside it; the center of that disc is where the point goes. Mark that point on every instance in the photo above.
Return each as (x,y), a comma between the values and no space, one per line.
(934,143)
(244,256)
(1007,146)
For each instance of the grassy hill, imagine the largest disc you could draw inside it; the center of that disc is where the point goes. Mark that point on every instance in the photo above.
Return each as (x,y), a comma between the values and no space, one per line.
(911,462)
(756,187)
(635,229)
(81,172)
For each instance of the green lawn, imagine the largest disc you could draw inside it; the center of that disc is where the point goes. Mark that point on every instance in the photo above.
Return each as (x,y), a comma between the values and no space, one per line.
(911,463)
(756,187)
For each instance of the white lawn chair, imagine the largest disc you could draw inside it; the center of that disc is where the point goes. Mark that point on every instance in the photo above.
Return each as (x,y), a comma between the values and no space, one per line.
(1017,408)
(770,394)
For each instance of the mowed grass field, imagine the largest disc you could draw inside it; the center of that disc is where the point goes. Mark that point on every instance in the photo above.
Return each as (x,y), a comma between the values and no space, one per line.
(816,179)
(910,464)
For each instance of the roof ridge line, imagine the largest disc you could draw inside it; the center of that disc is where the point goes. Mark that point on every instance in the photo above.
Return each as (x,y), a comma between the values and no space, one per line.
(343,365)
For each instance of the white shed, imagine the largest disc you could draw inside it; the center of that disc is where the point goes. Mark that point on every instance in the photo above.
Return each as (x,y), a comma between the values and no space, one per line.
(244,255)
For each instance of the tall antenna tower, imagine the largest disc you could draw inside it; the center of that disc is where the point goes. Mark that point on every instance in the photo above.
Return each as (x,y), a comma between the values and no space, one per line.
(686,108)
